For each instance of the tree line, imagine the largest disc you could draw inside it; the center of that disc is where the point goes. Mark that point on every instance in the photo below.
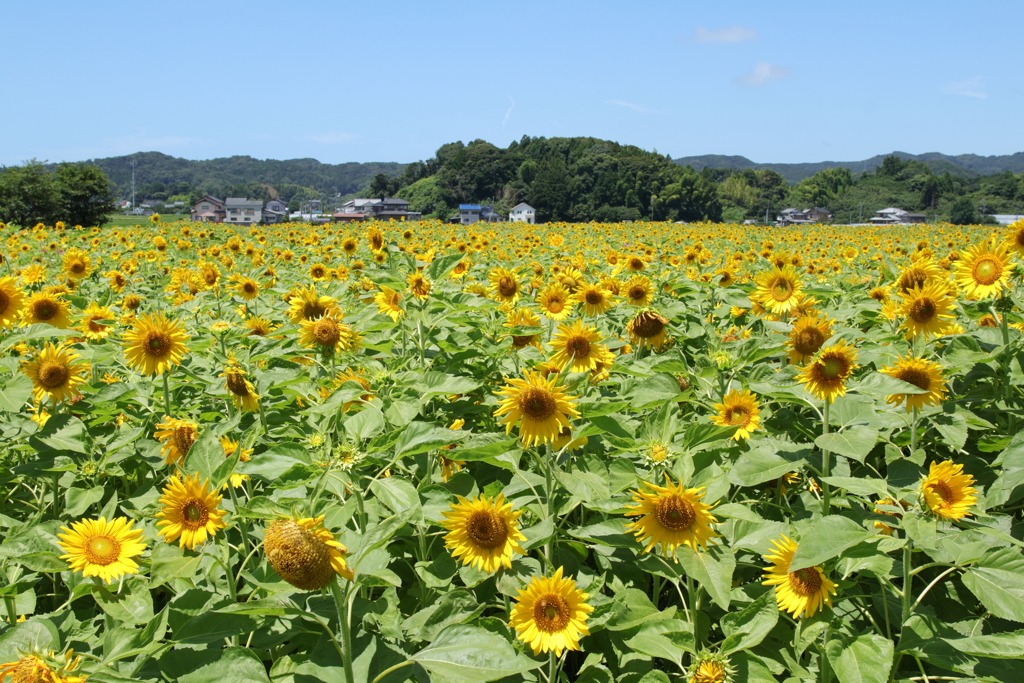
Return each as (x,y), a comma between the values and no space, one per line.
(75,194)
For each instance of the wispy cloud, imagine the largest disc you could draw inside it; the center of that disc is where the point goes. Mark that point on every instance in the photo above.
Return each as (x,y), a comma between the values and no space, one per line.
(630,105)
(729,34)
(508,113)
(763,73)
(972,87)
(330,138)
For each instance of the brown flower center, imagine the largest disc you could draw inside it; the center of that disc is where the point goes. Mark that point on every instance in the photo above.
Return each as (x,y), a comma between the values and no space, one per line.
(942,489)
(194,514)
(675,512)
(5,301)
(594,297)
(808,341)
(647,326)
(923,310)
(739,416)
(312,310)
(77,267)
(508,287)
(805,582)
(184,437)
(834,367)
(519,341)
(53,375)
(782,289)
(44,309)
(578,347)
(537,403)
(911,278)
(236,384)
(919,378)
(102,550)
(157,344)
(551,613)
(326,332)
(987,271)
(636,264)
(555,304)
(637,292)
(487,529)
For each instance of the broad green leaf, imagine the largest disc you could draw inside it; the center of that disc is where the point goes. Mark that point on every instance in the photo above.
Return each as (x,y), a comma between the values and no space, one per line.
(419,437)
(996,645)
(455,607)
(484,447)
(882,386)
(469,654)
(763,463)
(861,486)
(653,390)
(15,393)
(824,538)
(221,665)
(438,383)
(632,607)
(746,629)
(205,456)
(997,580)
(921,529)
(700,433)
(712,568)
(63,433)
(396,493)
(864,659)
(668,639)
(853,442)
(35,633)
(441,266)
(79,499)
(366,424)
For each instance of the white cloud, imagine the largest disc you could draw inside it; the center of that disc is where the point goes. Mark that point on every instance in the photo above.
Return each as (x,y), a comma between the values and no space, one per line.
(330,138)
(629,105)
(972,87)
(763,73)
(730,34)
(508,113)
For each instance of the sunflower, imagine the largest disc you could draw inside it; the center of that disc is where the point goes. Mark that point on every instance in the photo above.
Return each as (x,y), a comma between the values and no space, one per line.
(921,272)
(711,668)
(349,246)
(32,274)
(306,304)
(304,553)
(483,533)
(318,272)
(555,301)
(923,374)
(93,330)
(635,264)
(577,348)
(541,408)
(326,333)
(258,326)
(947,491)
(825,377)
(77,264)
(806,338)
(594,298)
(639,291)
(242,392)
(521,317)
(247,288)
(672,516)
(1014,237)
(230,446)
(779,289)
(189,512)
(44,307)
(101,548)
(551,614)
(801,593)
(927,309)
(176,437)
(738,409)
(155,344)
(34,668)
(983,270)
(648,328)
(505,287)
(376,238)
(54,375)
(387,302)
(419,286)
(11,301)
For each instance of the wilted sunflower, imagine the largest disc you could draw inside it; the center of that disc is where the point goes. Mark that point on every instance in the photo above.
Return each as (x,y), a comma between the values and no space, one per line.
(648,328)
(387,302)
(11,301)
(176,438)
(419,285)
(555,301)
(639,291)
(483,533)
(376,238)
(189,512)
(738,409)
(93,330)
(242,392)
(825,376)
(806,338)
(44,307)
(53,373)
(521,317)
(801,593)
(947,491)
(594,298)
(551,614)
(923,374)
(541,408)
(983,270)
(779,289)
(672,516)
(927,309)
(304,553)
(77,264)
(101,548)
(155,344)
(306,304)
(577,348)
(31,668)
(505,286)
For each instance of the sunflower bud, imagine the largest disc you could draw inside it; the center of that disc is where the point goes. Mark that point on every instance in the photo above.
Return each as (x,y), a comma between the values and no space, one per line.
(305,556)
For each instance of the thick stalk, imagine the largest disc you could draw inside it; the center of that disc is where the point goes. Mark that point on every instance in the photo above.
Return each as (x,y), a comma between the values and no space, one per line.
(913,432)
(826,467)
(826,666)
(551,666)
(167,393)
(241,527)
(546,464)
(341,603)
(907,580)
(229,576)
(12,609)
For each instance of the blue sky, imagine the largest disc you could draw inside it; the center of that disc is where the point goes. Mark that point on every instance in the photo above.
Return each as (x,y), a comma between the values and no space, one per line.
(344,81)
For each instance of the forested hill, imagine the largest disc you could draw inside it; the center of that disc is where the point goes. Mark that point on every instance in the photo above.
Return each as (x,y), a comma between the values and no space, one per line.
(961,165)
(218,176)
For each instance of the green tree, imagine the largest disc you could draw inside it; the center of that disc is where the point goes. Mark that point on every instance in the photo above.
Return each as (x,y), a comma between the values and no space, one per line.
(379,186)
(28,195)
(962,212)
(85,194)
(549,191)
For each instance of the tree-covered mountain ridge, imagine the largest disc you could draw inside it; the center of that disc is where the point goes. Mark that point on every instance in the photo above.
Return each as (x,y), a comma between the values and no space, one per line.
(962,165)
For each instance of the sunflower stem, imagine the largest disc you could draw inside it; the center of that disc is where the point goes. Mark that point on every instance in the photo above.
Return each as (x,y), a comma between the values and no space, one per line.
(826,668)
(343,604)
(907,579)
(241,527)
(826,466)
(396,667)
(546,464)
(551,666)
(229,576)
(12,609)
(1004,361)
(167,392)
(913,432)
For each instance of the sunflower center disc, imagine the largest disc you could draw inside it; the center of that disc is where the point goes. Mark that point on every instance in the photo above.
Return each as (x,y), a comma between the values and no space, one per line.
(194,514)
(647,326)
(507,286)
(52,375)
(922,310)
(782,290)
(578,347)
(77,267)
(537,403)
(236,384)
(156,344)
(326,333)
(45,310)
(675,512)
(551,613)
(637,293)
(594,298)
(918,378)
(183,439)
(249,288)
(738,416)
(912,278)
(943,490)
(833,368)
(486,529)
(4,301)
(555,305)
(102,550)
(987,271)
(519,341)
(805,582)
(808,341)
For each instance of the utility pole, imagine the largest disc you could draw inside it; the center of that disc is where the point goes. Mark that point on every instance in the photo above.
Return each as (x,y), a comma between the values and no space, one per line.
(133,185)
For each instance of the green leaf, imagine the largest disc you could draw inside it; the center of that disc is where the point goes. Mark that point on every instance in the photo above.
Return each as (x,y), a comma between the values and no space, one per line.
(205,456)
(456,607)
(397,494)
(484,447)
(921,529)
(997,580)
(441,266)
(420,437)
(997,645)
(853,442)
(713,568)
(824,538)
(953,429)
(668,639)
(864,659)
(468,654)
(632,607)
(133,605)
(228,665)
(700,433)
(881,386)
(365,424)
(42,562)
(767,462)
(64,433)
(653,390)
(35,634)
(15,394)
(79,499)
(861,486)
(438,383)
(745,630)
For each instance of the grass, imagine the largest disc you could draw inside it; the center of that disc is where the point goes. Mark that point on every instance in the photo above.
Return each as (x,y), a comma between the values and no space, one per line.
(122,221)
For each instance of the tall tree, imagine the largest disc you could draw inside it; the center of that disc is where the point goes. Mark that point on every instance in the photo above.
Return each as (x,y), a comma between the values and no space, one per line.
(962,212)
(85,194)
(28,195)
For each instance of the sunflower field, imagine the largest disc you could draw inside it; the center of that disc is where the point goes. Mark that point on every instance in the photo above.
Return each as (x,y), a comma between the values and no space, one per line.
(387,452)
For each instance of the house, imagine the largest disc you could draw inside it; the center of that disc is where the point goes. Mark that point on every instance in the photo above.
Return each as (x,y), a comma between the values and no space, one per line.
(489,215)
(469,213)
(894,216)
(342,217)
(245,211)
(275,211)
(386,209)
(208,209)
(818,214)
(793,216)
(522,213)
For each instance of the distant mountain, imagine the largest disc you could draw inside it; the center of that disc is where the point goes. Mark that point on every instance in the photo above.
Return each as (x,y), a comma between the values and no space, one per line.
(209,175)
(962,165)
